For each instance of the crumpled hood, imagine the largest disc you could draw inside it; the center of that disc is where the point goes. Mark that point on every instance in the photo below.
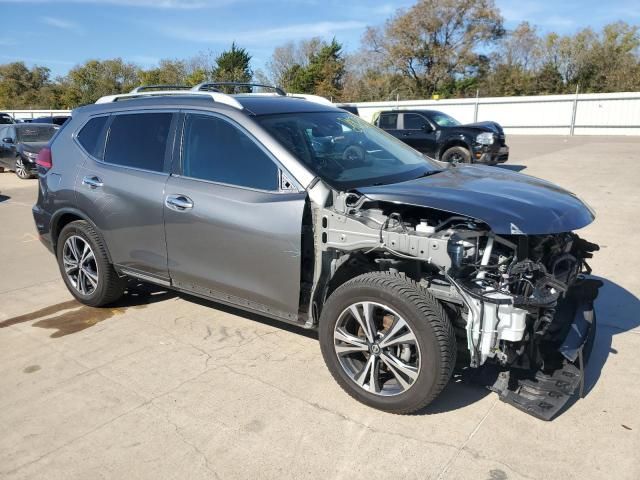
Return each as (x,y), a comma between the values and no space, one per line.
(486,126)
(509,202)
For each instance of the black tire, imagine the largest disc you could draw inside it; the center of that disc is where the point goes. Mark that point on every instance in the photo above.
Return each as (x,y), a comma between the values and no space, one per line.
(110,286)
(426,318)
(456,155)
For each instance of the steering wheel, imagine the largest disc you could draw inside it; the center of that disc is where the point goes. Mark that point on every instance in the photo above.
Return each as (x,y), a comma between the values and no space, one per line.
(354,154)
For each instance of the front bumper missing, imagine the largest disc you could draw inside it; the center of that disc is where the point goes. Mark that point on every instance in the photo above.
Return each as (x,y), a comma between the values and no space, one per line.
(491,155)
(544,394)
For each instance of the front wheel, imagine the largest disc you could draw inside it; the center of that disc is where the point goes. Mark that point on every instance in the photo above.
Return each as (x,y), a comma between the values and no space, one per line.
(387,342)
(457,155)
(21,169)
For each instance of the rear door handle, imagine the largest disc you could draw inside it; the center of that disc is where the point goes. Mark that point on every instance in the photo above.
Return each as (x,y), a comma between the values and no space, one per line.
(92,182)
(179,203)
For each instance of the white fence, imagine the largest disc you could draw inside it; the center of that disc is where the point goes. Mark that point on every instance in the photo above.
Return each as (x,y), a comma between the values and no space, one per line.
(583,114)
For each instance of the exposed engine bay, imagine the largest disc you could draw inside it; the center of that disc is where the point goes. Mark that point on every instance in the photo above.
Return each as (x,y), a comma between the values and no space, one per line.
(512,299)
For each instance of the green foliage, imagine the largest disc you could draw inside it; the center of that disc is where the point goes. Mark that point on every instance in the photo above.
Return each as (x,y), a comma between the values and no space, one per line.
(321,73)
(86,83)
(168,72)
(233,65)
(22,88)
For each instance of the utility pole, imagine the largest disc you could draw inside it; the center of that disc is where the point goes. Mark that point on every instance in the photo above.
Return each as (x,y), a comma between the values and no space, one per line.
(574,111)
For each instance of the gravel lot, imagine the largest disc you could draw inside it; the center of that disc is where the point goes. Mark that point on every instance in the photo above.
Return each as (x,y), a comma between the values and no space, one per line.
(168,386)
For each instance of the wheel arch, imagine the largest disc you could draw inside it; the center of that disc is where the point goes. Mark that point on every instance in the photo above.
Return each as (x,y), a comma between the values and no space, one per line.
(65,216)
(457,141)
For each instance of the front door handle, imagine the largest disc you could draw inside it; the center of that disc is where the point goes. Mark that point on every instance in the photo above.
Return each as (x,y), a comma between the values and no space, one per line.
(92,182)
(179,203)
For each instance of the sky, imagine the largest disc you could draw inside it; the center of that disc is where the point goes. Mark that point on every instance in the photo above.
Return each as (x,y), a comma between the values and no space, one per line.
(62,33)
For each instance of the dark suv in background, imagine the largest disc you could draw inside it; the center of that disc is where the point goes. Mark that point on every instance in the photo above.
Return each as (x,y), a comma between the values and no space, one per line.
(442,137)
(20,144)
(6,119)
(300,211)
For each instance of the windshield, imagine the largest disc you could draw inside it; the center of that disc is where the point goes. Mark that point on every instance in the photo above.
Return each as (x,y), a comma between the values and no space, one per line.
(344,150)
(444,120)
(36,133)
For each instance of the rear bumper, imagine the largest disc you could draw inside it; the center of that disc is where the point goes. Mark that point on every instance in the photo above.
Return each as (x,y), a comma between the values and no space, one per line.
(43,226)
(544,394)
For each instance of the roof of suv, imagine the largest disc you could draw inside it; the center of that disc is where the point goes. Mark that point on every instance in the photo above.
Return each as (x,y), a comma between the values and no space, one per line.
(253,104)
(412,110)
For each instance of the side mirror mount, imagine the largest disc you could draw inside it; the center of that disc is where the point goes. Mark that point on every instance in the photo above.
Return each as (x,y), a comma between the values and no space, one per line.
(7,140)
(427,128)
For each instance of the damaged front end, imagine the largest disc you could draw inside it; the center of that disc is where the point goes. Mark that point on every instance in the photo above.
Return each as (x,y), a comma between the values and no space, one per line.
(519,302)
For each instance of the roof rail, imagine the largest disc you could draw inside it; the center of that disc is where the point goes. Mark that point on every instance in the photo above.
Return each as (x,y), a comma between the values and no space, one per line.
(311,98)
(144,88)
(209,86)
(215,96)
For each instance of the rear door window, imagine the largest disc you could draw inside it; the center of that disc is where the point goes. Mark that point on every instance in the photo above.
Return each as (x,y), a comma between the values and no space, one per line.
(218,151)
(138,140)
(91,136)
(388,121)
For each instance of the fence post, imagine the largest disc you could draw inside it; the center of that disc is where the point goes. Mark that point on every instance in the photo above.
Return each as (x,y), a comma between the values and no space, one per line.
(475,109)
(574,110)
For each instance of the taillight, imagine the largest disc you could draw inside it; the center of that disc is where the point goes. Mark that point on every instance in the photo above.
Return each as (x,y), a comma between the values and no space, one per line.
(44,159)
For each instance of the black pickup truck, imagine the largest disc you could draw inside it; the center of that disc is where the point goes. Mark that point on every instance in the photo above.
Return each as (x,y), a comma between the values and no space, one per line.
(442,137)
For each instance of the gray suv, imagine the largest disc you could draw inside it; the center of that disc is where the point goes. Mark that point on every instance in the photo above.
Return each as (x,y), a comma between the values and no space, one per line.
(286,206)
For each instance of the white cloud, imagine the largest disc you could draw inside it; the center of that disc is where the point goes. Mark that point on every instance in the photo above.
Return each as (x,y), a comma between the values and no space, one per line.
(258,37)
(40,61)
(60,23)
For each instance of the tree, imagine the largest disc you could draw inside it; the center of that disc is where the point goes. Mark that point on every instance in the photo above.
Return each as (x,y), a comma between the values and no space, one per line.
(286,56)
(436,41)
(514,63)
(233,65)
(86,83)
(168,72)
(322,74)
(21,87)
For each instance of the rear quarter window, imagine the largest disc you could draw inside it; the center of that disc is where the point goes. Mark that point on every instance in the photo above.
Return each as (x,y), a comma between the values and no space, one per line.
(91,136)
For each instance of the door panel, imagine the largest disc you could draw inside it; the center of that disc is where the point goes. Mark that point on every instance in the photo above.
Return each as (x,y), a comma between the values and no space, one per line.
(415,135)
(127,209)
(236,244)
(125,202)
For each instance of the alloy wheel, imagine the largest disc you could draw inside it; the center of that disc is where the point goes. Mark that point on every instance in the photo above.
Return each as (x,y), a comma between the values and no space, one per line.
(21,169)
(80,265)
(377,348)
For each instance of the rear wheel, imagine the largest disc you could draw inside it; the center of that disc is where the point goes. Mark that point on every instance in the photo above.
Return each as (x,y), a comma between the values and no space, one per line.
(387,342)
(457,155)
(85,266)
